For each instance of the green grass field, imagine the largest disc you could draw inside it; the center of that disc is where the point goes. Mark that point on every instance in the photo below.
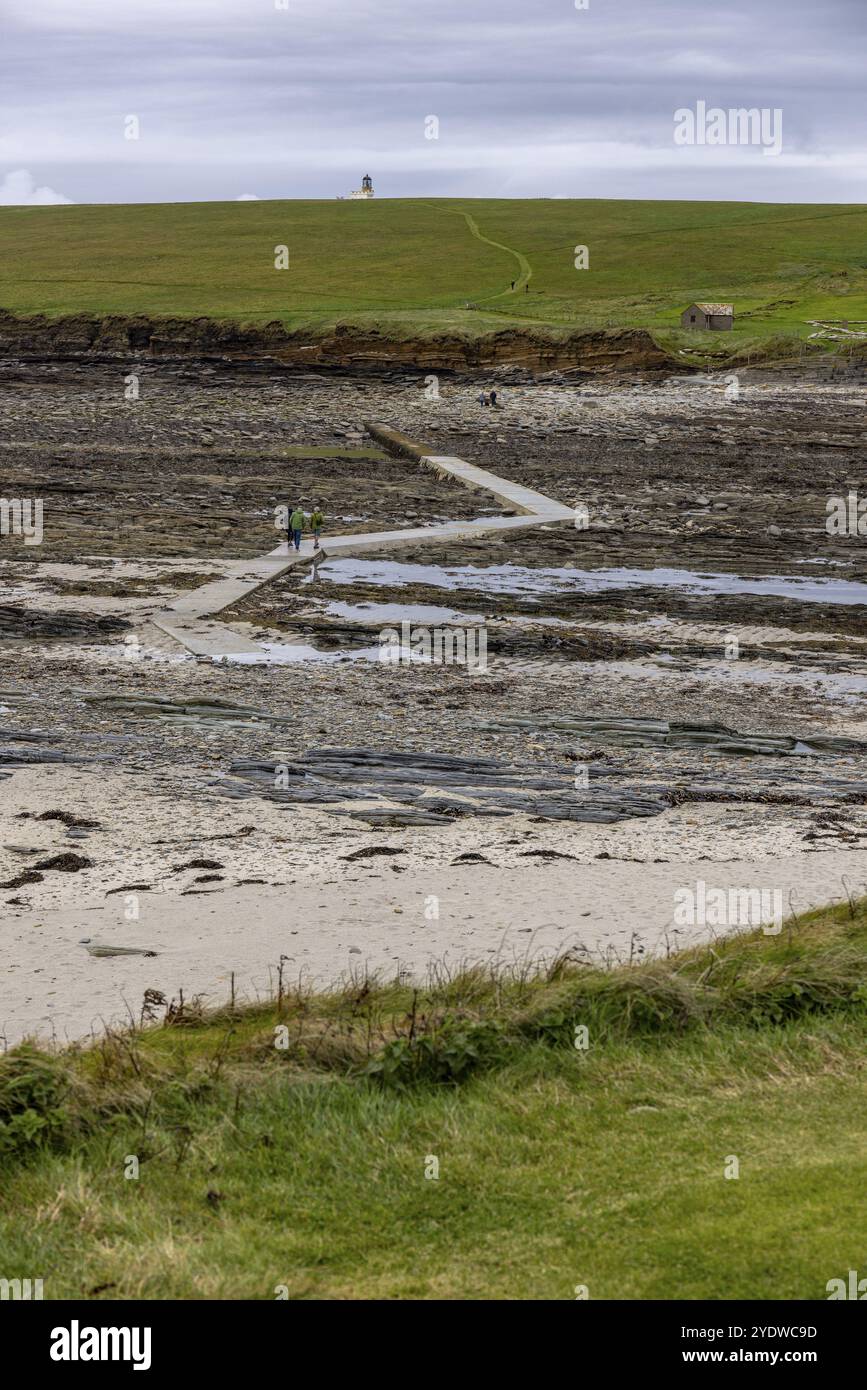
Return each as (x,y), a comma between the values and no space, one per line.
(410,267)
(304,1169)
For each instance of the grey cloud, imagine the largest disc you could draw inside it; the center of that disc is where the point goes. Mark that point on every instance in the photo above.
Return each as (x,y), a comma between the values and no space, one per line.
(532,98)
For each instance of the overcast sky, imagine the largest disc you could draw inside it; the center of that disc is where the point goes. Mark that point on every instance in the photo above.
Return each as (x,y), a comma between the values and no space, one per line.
(299,98)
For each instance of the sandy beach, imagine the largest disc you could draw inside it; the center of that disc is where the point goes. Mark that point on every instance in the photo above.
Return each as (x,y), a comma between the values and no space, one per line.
(327,931)
(334,898)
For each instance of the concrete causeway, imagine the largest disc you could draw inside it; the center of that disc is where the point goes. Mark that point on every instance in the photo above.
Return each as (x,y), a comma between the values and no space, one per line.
(187,619)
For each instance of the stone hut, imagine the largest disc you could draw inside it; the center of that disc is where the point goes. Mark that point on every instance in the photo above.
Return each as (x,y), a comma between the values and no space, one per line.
(708,316)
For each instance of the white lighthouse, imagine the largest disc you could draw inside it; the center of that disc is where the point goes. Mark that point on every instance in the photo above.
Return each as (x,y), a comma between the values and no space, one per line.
(366,189)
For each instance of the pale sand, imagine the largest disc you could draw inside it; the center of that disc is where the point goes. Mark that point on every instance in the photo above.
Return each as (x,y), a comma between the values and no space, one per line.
(50,986)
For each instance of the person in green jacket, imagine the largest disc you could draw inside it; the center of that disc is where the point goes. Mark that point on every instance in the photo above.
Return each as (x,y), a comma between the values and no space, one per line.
(296,526)
(316,523)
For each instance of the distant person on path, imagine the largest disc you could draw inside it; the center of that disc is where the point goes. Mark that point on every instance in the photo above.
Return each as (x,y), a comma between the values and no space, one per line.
(493,398)
(513,284)
(316,523)
(483,399)
(296,526)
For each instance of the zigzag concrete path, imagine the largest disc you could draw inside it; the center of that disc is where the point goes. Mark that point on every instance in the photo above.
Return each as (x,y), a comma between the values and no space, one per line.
(187,618)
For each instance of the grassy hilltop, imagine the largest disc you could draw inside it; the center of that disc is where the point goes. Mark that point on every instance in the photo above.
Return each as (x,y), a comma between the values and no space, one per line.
(610,1166)
(411,266)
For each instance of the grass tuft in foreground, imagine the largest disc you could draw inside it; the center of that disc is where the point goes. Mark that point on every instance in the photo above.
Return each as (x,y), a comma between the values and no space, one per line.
(493,1135)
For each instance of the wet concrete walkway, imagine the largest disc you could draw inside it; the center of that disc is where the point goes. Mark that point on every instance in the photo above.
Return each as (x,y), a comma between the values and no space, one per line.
(188,618)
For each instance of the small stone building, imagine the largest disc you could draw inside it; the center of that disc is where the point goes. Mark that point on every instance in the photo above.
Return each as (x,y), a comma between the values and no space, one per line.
(708,316)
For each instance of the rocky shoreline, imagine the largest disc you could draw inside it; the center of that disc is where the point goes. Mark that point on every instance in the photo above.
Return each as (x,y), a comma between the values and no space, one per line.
(345,347)
(679,687)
